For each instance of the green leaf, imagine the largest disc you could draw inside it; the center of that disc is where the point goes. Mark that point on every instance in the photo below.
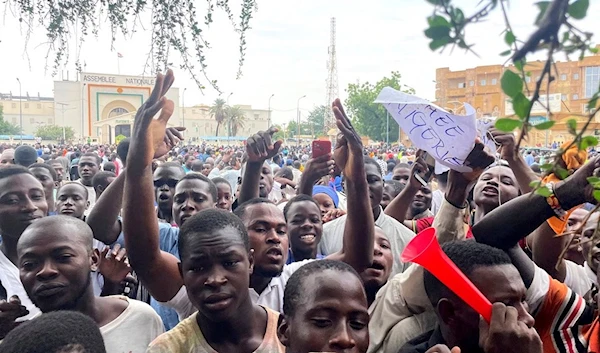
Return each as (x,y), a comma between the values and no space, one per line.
(593,180)
(578,9)
(542,5)
(535,184)
(437,32)
(519,64)
(521,105)
(593,101)
(544,191)
(594,50)
(509,38)
(511,83)
(435,2)
(572,126)
(508,125)
(438,43)
(562,173)
(546,166)
(545,125)
(506,52)
(596,195)
(437,20)
(588,141)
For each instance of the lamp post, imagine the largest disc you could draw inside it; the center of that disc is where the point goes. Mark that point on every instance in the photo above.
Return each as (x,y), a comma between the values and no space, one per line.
(82,112)
(183,108)
(20,111)
(298,119)
(62,106)
(269,122)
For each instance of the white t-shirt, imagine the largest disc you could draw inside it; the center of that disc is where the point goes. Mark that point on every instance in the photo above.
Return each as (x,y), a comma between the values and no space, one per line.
(133,330)
(271,297)
(9,277)
(91,197)
(579,278)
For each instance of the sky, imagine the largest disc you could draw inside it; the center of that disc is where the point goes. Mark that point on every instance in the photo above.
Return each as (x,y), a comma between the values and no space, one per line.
(286,51)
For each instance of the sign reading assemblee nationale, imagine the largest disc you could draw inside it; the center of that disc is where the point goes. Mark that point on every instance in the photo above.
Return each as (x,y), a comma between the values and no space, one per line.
(448,138)
(118,80)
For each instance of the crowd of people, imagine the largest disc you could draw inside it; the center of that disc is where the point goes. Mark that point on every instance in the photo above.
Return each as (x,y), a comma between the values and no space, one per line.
(153,245)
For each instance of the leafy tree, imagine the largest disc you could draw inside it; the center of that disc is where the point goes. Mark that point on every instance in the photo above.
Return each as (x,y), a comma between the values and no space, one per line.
(119,138)
(54,132)
(279,135)
(176,27)
(7,128)
(218,111)
(316,120)
(235,119)
(370,118)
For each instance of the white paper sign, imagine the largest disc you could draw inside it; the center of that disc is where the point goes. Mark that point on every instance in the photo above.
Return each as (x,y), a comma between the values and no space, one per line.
(448,138)
(483,125)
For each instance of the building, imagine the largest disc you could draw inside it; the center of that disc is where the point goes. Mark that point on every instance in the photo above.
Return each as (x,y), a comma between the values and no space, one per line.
(100,107)
(567,98)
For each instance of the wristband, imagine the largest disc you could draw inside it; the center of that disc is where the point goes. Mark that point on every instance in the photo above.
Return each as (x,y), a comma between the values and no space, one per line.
(554,203)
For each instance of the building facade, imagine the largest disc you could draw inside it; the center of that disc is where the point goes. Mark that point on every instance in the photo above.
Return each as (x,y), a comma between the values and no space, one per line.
(99,107)
(567,97)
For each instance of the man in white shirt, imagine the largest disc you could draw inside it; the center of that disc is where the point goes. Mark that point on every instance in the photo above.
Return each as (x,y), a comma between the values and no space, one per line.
(55,258)
(89,165)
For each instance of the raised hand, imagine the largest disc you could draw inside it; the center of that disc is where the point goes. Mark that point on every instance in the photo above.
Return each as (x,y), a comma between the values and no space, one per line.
(316,168)
(478,160)
(333,214)
(507,143)
(419,167)
(442,348)
(113,264)
(10,311)
(348,152)
(576,189)
(505,332)
(260,146)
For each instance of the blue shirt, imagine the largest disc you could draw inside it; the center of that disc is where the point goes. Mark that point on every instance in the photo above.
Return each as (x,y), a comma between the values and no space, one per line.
(529,159)
(168,242)
(291,259)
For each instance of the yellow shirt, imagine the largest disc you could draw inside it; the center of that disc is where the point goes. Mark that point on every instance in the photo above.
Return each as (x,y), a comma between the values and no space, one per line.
(186,337)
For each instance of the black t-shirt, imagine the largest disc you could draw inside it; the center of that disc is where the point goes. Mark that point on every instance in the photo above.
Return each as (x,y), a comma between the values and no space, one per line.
(423,342)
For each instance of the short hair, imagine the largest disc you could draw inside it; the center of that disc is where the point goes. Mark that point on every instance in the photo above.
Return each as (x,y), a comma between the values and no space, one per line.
(286,172)
(85,190)
(390,166)
(241,210)
(13,169)
(25,155)
(369,160)
(47,167)
(398,186)
(187,156)
(219,180)
(197,165)
(84,232)
(101,179)
(92,154)
(171,165)
(401,165)
(295,292)
(53,332)
(208,221)
(212,188)
(109,165)
(296,199)
(123,149)
(467,255)
(54,161)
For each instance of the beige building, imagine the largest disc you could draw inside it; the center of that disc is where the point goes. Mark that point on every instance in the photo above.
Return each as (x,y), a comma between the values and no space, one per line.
(100,107)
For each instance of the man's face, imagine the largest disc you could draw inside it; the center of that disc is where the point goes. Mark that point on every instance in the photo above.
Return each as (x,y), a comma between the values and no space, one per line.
(265,185)
(378,273)
(224,199)
(206,168)
(388,195)
(333,316)
(574,223)
(402,175)
(189,161)
(165,180)
(43,175)
(325,203)
(71,201)
(22,201)
(501,283)
(268,237)
(304,226)
(216,269)
(590,250)
(495,187)
(375,184)
(88,167)
(191,196)
(7,158)
(54,268)
(59,169)
(421,201)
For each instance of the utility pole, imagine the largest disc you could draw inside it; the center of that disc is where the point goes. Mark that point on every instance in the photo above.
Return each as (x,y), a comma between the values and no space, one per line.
(331,89)
(20,111)
(183,102)
(298,119)
(269,122)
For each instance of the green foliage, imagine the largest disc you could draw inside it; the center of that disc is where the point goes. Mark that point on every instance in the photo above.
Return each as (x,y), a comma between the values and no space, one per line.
(119,138)
(370,118)
(316,120)
(218,111)
(511,84)
(578,9)
(521,105)
(175,25)
(7,128)
(588,141)
(508,125)
(235,119)
(545,125)
(54,132)
(279,135)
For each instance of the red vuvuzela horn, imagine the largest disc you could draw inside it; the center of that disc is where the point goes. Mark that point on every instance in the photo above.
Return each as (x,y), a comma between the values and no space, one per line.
(425,250)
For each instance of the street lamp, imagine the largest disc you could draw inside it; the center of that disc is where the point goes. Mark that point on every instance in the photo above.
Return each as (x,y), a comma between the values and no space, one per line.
(62,105)
(183,103)
(20,111)
(298,118)
(269,122)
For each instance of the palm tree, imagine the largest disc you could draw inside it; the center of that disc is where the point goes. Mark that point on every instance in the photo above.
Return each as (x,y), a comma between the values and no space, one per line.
(218,111)
(236,118)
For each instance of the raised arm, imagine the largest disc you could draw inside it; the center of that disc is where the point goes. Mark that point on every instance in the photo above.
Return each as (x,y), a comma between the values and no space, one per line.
(359,232)
(547,248)
(158,271)
(315,169)
(398,207)
(523,173)
(104,218)
(259,148)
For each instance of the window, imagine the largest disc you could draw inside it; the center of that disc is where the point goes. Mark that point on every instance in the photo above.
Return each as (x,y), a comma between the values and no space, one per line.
(471,83)
(256,116)
(26,105)
(575,97)
(592,80)
(482,83)
(527,79)
(117,112)
(13,105)
(563,77)
(461,85)
(39,106)
(32,120)
(576,76)
(563,97)
(494,81)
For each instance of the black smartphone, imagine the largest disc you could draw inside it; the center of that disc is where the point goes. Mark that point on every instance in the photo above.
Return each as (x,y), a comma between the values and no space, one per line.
(425,178)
